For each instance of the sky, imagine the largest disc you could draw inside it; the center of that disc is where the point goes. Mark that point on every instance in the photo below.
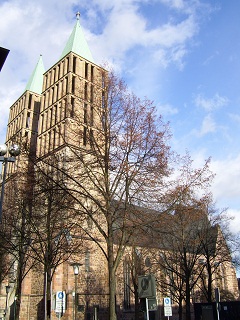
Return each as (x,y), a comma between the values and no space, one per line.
(182,54)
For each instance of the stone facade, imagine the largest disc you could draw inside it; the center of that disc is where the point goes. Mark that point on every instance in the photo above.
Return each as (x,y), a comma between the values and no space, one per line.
(73,86)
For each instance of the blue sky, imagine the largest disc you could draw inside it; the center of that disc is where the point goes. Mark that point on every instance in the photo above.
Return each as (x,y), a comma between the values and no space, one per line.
(184,55)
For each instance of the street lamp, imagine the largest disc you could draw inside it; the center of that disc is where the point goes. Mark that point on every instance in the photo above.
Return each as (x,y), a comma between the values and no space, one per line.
(75,266)
(14,151)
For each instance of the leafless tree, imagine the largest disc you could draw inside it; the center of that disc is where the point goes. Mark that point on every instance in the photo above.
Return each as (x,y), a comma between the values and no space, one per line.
(115,156)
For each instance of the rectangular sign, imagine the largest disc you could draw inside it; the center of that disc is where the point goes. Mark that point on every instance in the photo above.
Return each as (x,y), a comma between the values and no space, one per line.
(147,286)
(167,311)
(152,304)
(60,302)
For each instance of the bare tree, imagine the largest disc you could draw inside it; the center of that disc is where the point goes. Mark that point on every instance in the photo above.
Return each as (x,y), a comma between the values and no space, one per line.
(115,155)
(218,246)
(15,233)
(180,248)
(112,161)
(38,230)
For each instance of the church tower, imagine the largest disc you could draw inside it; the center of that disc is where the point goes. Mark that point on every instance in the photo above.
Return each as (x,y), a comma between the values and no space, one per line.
(69,91)
(42,121)
(24,114)
(70,88)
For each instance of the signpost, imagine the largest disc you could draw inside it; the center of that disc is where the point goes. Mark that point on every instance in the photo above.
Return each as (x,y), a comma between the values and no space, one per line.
(147,291)
(167,307)
(60,307)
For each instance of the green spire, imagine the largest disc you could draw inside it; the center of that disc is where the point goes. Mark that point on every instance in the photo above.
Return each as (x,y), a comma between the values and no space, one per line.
(77,43)
(36,80)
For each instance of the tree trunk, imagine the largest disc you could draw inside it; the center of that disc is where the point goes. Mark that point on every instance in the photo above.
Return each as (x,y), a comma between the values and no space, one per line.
(112,295)
(180,309)
(47,294)
(18,295)
(137,306)
(112,279)
(209,288)
(188,304)
(17,305)
(19,281)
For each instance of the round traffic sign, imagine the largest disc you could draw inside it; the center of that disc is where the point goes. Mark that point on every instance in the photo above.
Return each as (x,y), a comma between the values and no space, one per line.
(60,295)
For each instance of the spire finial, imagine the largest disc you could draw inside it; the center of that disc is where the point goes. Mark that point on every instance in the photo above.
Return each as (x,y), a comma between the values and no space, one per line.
(78,15)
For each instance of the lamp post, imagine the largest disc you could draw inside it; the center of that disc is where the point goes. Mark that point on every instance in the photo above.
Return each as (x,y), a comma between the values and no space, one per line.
(75,266)
(6,306)
(14,151)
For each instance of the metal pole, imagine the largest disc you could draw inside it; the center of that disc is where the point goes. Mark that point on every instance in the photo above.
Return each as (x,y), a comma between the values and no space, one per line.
(5,162)
(75,300)
(95,313)
(147,309)
(45,297)
(73,307)
(217,298)
(217,307)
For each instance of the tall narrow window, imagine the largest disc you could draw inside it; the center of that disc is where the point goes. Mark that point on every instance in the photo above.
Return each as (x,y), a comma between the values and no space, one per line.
(30,101)
(52,96)
(54,75)
(84,136)
(66,84)
(49,141)
(86,70)
(59,69)
(51,117)
(55,114)
(67,64)
(74,64)
(91,115)
(65,108)
(46,81)
(41,123)
(72,108)
(92,73)
(85,124)
(57,91)
(54,139)
(85,114)
(43,99)
(73,85)
(86,91)
(91,94)
(28,120)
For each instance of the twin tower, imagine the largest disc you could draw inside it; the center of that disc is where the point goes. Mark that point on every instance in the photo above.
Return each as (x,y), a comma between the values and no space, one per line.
(70,87)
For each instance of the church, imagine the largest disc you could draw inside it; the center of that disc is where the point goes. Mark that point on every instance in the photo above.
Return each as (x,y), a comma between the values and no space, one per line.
(66,258)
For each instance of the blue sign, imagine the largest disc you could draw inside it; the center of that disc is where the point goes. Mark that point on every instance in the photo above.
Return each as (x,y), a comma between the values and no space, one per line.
(60,295)
(167,301)
(60,302)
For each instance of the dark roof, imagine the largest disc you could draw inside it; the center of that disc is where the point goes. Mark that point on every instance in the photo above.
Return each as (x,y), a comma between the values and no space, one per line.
(153,228)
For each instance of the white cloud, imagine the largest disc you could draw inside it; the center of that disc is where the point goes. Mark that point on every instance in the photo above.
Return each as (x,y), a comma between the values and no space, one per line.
(234,223)
(30,28)
(208,125)
(225,186)
(166,109)
(210,104)
(227,179)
